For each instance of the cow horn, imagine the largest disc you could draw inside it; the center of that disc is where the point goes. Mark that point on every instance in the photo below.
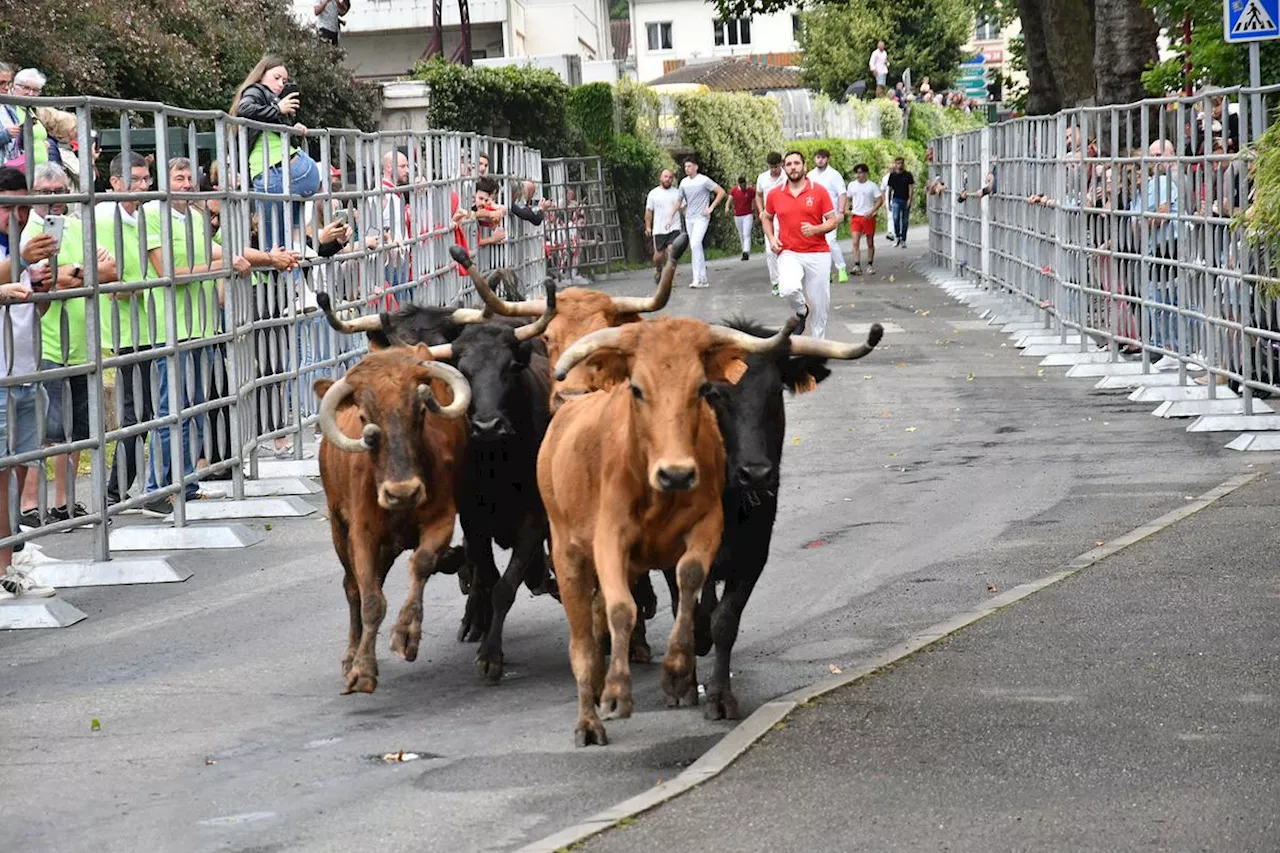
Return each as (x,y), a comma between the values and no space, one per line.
(457,383)
(801,345)
(442,352)
(492,302)
(531,331)
(367,323)
(585,346)
(333,434)
(642,304)
(753,344)
(467,316)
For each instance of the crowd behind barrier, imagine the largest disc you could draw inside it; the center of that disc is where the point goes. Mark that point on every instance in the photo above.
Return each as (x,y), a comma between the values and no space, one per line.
(1124,224)
(175,335)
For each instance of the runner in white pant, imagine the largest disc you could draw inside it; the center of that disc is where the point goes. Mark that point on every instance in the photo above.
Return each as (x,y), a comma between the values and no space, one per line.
(769,179)
(695,195)
(797,217)
(744,202)
(825,175)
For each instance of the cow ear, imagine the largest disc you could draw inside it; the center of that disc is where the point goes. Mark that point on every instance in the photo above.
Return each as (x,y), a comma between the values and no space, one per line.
(524,351)
(423,352)
(801,374)
(320,386)
(725,364)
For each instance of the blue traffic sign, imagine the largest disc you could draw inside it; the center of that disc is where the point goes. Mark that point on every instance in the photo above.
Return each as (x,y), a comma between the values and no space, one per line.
(1251,20)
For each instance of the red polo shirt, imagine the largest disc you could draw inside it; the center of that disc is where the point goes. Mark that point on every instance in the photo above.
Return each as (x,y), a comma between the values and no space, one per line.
(743,199)
(811,205)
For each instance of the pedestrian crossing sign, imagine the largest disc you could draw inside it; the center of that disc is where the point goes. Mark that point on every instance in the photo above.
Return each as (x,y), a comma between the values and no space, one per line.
(1251,20)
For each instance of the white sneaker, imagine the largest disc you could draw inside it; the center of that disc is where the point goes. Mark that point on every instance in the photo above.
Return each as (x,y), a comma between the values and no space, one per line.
(1165,363)
(699,284)
(18,583)
(871,270)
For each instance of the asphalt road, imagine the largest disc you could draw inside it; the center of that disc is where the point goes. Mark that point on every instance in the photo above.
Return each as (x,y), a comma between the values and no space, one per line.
(1131,707)
(941,464)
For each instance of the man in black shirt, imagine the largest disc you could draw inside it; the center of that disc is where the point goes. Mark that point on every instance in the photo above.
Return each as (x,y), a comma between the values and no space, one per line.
(901,190)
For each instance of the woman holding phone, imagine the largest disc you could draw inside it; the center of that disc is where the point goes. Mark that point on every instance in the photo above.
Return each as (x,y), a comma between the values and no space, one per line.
(267,96)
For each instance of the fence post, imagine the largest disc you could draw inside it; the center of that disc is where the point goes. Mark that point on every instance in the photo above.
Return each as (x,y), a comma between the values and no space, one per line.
(953,180)
(984,206)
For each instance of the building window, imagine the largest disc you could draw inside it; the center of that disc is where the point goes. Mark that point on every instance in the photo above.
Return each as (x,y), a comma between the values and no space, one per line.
(734,31)
(796,25)
(987,28)
(659,35)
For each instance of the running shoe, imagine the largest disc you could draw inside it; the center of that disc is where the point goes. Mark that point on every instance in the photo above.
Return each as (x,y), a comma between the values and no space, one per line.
(842,274)
(19,584)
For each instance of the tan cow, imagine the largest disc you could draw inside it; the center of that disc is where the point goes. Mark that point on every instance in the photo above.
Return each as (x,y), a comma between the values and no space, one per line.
(632,478)
(389,468)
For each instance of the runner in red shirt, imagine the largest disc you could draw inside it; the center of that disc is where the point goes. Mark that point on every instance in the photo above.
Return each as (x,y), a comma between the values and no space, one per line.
(744,198)
(797,216)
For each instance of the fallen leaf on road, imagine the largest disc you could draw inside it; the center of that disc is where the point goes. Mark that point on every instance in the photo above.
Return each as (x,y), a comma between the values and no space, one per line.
(969,378)
(835,670)
(795,440)
(1040,372)
(893,278)
(401,756)
(1099,543)
(912,429)
(868,376)
(209,762)
(891,455)
(991,587)
(902,364)
(94,725)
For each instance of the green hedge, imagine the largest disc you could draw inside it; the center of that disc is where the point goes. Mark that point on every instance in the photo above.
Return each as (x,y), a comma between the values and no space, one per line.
(926,121)
(731,134)
(878,154)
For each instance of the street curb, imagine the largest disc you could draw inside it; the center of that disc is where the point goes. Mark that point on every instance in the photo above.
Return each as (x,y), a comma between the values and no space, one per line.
(757,725)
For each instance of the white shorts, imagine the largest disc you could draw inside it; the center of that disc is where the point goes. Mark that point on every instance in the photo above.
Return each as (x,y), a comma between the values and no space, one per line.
(803,271)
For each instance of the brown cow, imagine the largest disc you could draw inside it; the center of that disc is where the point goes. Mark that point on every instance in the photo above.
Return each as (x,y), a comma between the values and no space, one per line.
(632,478)
(391,489)
(579,312)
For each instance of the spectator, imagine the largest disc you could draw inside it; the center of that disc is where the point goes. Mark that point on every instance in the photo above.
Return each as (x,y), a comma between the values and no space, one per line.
(925,89)
(123,236)
(744,198)
(530,208)
(329,18)
(879,66)
(29,83)
(191,310)
(1159,195)
(64,343)
(18,431)
(262,98)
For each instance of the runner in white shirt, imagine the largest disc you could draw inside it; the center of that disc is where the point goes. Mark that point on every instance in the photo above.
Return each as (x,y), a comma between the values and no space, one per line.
(769,179)
(662,219)
(824,175)
(865,201)
(695,191)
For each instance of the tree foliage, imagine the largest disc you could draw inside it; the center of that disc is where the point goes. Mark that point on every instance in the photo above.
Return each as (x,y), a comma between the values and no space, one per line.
(1213,61)
(516,102)
(837,41)
(180,52)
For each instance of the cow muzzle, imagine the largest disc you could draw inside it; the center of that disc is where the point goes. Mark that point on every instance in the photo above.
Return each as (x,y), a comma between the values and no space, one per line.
(754,475)
(402,495)
(679,477)
(490,429)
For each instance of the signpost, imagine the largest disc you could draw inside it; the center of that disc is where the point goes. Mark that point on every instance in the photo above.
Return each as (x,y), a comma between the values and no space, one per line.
(1252,21)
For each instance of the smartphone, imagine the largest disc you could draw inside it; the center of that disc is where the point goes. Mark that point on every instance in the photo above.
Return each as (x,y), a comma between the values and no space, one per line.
(53,224)
(341,216)
(289,89)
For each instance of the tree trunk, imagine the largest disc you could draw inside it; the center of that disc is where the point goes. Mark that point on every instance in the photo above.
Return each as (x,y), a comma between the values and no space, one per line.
(1043,97)
(1058,37)
(1124,45)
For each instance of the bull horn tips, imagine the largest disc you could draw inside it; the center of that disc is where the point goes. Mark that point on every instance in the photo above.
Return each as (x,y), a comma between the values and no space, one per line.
(789,328)
(561,375)
(876,333)
(679,246)
(322,300)
(460,255)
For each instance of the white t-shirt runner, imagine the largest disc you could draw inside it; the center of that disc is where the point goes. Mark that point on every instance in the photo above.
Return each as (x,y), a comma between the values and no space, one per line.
(862,197)
(767,182)
(665,205)
(832,180)
(696,192)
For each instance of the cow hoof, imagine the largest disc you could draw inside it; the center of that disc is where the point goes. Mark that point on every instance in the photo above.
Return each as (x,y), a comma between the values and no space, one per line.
(466,574)
(589,732)
(404,642)
(679,688)
(490,665)
(347,661)
(640,651)
(702,642)
(359,682)
(616,702)
(722,707)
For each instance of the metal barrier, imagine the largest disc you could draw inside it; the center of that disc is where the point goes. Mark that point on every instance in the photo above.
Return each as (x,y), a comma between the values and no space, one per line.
(186,346)
(582,231)
(1121,229)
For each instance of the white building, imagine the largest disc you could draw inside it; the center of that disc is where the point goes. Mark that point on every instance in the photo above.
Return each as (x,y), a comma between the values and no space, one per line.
(666,34)
(384,39)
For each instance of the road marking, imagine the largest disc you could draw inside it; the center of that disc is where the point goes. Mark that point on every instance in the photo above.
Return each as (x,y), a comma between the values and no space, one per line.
(754,727)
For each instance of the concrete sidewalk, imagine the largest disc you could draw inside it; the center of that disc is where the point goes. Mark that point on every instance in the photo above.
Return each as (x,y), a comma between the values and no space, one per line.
(1135,705)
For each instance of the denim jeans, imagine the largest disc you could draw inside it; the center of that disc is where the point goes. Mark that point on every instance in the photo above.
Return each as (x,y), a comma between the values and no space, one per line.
(304,181)
(901,217)
(191,393)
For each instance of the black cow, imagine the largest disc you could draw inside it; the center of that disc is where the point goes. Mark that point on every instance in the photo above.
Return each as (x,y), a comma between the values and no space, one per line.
(753,422)
(510,410)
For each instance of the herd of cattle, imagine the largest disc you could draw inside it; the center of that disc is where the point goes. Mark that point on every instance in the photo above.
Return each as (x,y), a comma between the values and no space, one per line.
(650,445)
